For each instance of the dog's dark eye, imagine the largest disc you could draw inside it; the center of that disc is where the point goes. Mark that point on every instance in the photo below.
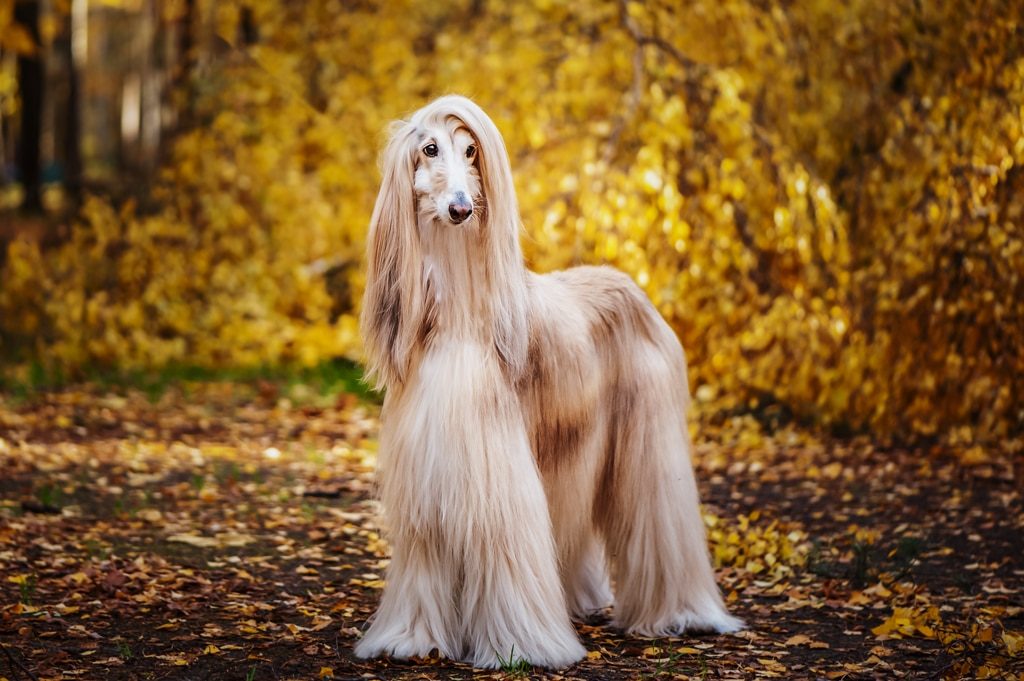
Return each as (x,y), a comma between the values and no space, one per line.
(470,151)
(430,150)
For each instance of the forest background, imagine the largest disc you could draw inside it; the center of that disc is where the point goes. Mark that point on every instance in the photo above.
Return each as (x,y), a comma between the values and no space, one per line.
(824,199)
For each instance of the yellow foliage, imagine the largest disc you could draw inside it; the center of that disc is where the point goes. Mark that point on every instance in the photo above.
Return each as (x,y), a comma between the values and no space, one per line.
(976,649)
(823,200)
(764,550)
(141,291)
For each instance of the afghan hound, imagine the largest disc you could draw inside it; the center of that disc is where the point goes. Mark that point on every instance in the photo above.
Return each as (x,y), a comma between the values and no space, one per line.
(534,440)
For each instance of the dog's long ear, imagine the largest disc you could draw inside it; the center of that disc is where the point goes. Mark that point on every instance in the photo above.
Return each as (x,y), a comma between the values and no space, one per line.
(393,302)
(506,272)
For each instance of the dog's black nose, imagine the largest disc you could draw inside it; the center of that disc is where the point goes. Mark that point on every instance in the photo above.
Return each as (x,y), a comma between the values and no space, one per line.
(460,209)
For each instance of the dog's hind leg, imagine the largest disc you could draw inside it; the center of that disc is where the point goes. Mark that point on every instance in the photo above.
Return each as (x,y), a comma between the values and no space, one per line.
(581,556)
(586,579)
(648,508)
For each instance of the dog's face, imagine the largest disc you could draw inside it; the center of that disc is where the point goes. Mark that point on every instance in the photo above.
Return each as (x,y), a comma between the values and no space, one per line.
(447,178)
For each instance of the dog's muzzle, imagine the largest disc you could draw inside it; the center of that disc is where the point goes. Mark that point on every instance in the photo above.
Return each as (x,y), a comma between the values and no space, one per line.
(460,208)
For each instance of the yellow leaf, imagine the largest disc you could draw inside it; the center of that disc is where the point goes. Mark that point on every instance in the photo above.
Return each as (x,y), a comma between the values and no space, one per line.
(879,590)
(885,628)
(211,650)
(150,515)
(772,665)
(832,470)
(1014,642)
(798,640)
(193,540)
(78,577)
(974,456)
(858,598)
(594,655)
(326,673)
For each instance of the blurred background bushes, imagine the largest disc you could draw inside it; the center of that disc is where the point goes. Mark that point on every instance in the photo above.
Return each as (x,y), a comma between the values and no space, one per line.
(823,198)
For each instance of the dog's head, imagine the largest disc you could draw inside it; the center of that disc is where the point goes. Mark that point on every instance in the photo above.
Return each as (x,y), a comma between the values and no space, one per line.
(445,170)
(451,160)
(447,178)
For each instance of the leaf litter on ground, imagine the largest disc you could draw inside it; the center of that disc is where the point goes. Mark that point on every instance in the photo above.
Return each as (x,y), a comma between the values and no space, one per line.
(227,527)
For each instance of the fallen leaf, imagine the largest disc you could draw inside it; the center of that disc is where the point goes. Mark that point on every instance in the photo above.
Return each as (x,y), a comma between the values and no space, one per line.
(193,540)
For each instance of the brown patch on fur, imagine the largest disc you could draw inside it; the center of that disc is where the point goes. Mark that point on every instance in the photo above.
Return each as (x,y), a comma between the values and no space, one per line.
(429,314)
(623,410)
(557,440)
(560,422)
(388,319)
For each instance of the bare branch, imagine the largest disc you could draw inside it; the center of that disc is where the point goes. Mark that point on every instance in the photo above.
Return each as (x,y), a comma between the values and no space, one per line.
(642,40)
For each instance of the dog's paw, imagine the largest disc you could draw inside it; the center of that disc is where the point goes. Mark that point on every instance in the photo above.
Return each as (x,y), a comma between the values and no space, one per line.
(719,622)
(399,645)
(591,603)
(366,649)
(685,622)
(554,655)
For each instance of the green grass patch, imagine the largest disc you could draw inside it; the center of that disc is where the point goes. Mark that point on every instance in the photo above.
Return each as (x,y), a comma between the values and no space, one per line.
(21,382)
(514,666)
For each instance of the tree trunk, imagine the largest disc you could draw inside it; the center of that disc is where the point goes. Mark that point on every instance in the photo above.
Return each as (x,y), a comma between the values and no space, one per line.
(30,86)
(150,93)
(76,65)
(186,64)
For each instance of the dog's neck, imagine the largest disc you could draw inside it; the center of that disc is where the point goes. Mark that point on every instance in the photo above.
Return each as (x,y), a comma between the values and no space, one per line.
(456,286)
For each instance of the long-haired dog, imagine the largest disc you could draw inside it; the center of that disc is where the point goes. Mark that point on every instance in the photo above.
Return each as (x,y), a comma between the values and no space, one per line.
(534,439)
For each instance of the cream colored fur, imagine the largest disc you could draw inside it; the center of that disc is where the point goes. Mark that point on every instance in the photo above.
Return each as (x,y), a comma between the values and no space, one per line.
(533,442)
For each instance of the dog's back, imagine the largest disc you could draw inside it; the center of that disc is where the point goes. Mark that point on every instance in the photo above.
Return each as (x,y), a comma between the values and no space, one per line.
(589,326)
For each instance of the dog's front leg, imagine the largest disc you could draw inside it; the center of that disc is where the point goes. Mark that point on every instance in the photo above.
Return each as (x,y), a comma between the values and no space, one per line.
(494,513)
(512,600)
(417,612)
(474,571)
